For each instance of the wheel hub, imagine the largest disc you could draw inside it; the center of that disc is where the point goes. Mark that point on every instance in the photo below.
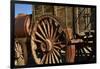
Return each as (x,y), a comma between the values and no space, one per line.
(47,46)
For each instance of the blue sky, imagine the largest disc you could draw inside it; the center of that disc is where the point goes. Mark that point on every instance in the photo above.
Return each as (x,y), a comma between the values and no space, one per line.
(23,8)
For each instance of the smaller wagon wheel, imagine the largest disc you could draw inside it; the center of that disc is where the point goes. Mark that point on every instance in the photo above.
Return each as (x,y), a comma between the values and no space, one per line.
(20,53)
(48,41)
(86,51)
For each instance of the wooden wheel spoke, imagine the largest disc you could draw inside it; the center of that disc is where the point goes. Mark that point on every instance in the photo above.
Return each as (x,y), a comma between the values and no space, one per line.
(57,47)
(53,58)
(15,49)
(48,27)
(56,38)
(50,20)
(18,48)
(83,51)
(50,58)
(46,62)
(38,40)
(43,58)
(87,49)
(41,30)
(21,56)
(56,57)
(44,26)
(40,36)
(57,43)
(56,52)
(51,27)
(55,33)
(51,32)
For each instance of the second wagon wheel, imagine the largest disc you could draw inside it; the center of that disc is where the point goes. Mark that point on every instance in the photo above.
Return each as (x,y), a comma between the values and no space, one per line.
(48,41)
(20,53)
(86,52)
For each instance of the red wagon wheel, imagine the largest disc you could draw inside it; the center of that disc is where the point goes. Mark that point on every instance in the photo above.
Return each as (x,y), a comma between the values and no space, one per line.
(48,41)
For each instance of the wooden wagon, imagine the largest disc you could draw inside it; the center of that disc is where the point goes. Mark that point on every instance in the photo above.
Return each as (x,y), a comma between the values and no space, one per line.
(46,41)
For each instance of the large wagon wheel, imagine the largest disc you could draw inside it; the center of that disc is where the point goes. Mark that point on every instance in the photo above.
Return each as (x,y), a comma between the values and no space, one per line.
(86,52)
(20,53)
(48,41)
